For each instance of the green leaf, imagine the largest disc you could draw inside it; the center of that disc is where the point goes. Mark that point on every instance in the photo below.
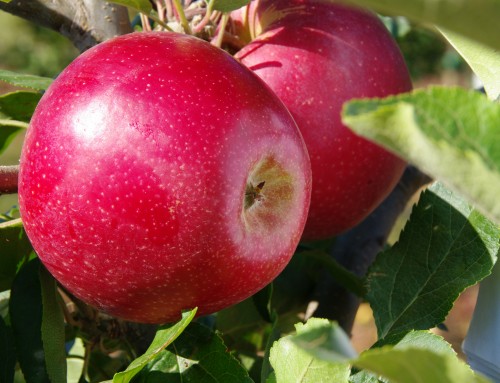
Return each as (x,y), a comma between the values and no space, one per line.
(25,80)
(475,19)
(26,317)
(419,357)
(164,336)
(325,340)
(484,61)
(15,112)
(342,276)
(198,355)
(18,105)
(445,247)
(294,357)
(267,370)
(449,133)
(229,5)
(364,377)
(14,247)
(53,335)
(7,353)
(143,6)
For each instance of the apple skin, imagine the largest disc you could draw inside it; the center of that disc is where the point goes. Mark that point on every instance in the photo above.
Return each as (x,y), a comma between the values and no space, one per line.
(316,56)
(141,179)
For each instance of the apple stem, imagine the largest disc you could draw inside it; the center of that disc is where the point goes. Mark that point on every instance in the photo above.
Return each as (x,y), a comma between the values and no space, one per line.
(222,29)
(8,179)
(182,17)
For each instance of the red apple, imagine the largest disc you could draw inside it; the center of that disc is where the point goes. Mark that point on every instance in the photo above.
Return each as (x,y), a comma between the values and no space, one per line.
(317,55)
(159,174)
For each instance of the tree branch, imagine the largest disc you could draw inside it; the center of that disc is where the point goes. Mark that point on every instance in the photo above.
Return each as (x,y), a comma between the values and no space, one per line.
(8,179)
(356,250)
(84,22)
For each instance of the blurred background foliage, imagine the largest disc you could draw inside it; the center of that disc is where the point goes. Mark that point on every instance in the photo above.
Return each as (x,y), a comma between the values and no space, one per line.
(27,48)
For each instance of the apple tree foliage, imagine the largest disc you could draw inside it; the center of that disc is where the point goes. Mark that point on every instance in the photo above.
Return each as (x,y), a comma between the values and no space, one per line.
(450,242)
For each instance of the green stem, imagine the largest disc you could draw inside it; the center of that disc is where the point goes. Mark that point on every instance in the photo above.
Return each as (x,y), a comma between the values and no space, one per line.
(182,16)
(222,28)
(17,124)
(160,22)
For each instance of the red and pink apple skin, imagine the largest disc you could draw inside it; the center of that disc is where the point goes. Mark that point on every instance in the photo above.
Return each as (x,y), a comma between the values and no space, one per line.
(134,173)
(316,56)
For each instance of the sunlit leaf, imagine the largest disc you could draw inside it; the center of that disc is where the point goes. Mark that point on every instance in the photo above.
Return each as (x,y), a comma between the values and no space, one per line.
(449,133)
(476,19)
(25,80)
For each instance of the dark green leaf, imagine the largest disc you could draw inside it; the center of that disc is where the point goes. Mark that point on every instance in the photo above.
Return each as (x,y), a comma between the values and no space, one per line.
(143,6)
(14,247)
(449,133)
(25,80)
(53,334)
(475,19)
(19,105)
(198,355)
(9,130)
(164,336)
(445,247)
(26,316)
(262,301)
(7,353)
(342,276)
(229,5)
(294,357)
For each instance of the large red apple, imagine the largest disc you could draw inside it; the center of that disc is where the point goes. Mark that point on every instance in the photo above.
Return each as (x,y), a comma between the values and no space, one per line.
(317,55)
(159,174)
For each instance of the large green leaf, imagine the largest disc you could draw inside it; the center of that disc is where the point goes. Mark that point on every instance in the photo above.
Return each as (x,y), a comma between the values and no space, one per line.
(26,316)
(445,247)
(295,357)
(449,133)
(476,19)
(419,357)
(14,247)
(165,335)
(484,61)
(53,335)
(7,353)
(25,80)
(198,355)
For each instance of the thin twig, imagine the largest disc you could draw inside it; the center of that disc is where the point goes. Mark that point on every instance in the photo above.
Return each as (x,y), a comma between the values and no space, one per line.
(8,179)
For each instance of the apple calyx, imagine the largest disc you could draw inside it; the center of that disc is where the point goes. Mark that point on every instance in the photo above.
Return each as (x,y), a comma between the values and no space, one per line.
(253,194)
(269,194)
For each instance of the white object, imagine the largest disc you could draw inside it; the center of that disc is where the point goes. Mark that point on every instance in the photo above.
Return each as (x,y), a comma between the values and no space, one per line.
(482,343)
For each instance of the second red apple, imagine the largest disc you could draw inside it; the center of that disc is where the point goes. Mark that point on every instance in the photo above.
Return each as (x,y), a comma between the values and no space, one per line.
(316,56)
